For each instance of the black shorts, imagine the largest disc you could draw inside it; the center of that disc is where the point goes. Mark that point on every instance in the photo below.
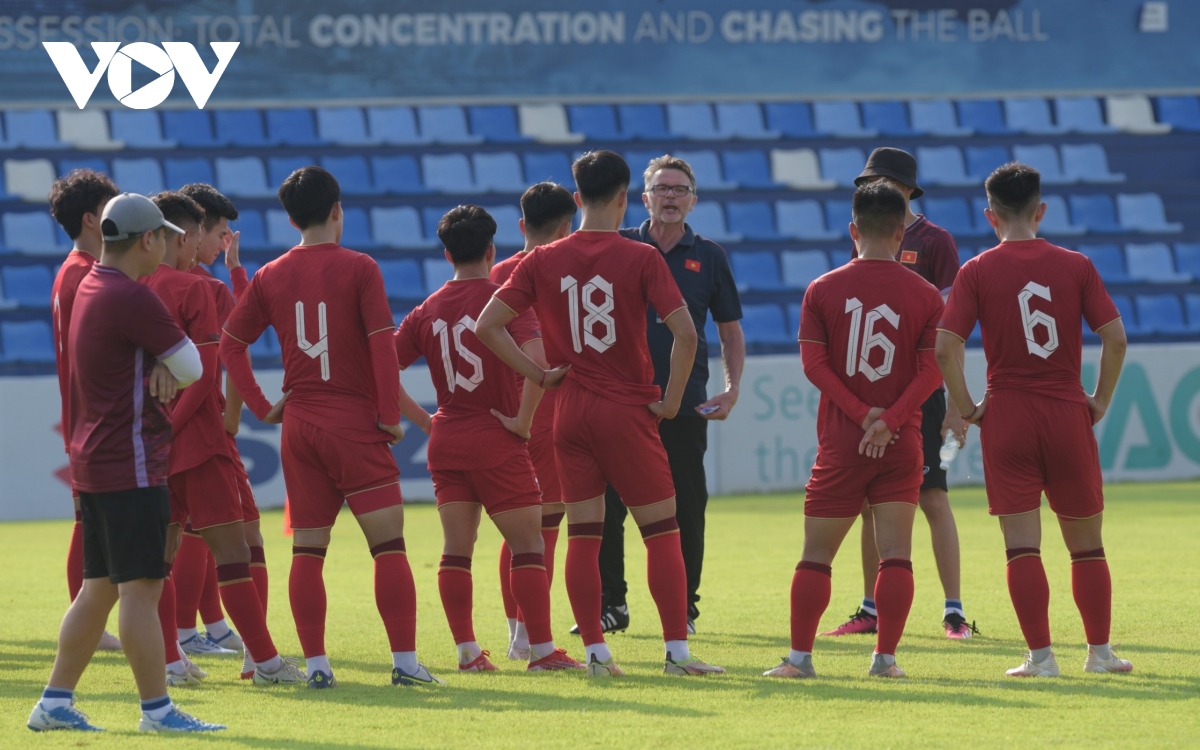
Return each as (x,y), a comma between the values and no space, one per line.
(933,413)
(125,533)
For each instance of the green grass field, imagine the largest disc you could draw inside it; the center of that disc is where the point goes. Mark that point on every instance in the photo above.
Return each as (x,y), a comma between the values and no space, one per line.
(956,696)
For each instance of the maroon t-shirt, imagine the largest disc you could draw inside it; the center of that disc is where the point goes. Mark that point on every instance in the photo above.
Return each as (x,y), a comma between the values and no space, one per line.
(931,252)
(120,434)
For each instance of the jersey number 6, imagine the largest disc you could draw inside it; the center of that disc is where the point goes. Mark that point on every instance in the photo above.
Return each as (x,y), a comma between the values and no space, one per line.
(1031,319)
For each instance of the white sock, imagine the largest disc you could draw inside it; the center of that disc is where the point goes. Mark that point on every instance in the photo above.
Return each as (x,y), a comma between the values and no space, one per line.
(270,665)
(521,637)
(318,664)
(53,698)
(887,658)
(1103,651)
(177,667)
(868,606)
(1039,655)
(405,661)
(542,650)
(468,651)
(185,633)
(678,651)
(512,629)
(218,629)
(797,657)
(161,707)
(598,650)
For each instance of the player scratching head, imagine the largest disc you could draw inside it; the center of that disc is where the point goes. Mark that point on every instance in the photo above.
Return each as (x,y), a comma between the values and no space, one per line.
(135,235)
(1015,207)
(186,214)
(218,212)
(878,227)
(547,210)
(76,203)
(602,190)
(313,201)
(466,233)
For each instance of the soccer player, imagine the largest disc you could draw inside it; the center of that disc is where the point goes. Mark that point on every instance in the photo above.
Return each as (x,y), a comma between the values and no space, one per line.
(931,252)
(342,390)
(547,210)
(127,359)
(76,202)
(202,478)
(1035,419)
(591,291)
(478,460)
(867,331)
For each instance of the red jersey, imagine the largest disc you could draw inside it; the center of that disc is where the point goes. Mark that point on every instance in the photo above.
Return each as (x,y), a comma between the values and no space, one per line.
(869,321)
(470,379)
(543,418)
(196,411)
(120,435)
(326,304)
(62,300)
(591,291)
(222,297)
(1029,298)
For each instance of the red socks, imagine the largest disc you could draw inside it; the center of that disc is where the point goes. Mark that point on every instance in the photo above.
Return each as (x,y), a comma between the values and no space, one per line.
(258,571)
(666,576)
(396,594)
(210,595)
(506,594)
(188,574)
(306,591)
(550,541)
(166,617)
(584,588)
(1030,593)
(893,600)
(811,585)
(75,558)
(1092,588)
(455,586)
(241,602)
(550,526)
(531,585)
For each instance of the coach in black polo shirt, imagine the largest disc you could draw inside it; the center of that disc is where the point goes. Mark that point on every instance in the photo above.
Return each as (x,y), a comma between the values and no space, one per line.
(701,268)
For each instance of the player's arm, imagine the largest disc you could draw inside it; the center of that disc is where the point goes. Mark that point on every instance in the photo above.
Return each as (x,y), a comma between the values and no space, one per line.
(192,398)
(1113,345)
(950,358)
(237,272)
(733,361)
(918,391)
(815,357)
(243,327)
(531,395)
(683,359)
(491,329)
(176,370)
(233,407)
(414,412)
(386,372)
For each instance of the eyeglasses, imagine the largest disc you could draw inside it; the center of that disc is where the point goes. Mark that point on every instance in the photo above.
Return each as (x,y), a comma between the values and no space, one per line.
(663,191)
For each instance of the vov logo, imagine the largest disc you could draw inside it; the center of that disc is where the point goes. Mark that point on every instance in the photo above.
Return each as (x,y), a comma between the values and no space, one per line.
(118,61)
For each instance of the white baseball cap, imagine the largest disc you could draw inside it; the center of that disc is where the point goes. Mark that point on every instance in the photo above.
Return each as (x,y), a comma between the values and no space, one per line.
(129,215)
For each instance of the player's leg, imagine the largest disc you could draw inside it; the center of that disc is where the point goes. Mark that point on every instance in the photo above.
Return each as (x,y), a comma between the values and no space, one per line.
(188,573)
(254,538)
(460,526)
(614,613)
(685,441)
(180,670)
(866,617)
(216,628)
(1029,591)
(935,504)
(894,583)
(75,552)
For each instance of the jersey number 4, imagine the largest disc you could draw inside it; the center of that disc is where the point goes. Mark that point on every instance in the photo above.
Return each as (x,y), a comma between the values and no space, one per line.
(859,360)
(1031,319)
(321,348)
(597,314)
(442,330)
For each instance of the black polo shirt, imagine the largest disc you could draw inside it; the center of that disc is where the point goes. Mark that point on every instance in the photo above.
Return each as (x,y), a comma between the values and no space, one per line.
(701,269)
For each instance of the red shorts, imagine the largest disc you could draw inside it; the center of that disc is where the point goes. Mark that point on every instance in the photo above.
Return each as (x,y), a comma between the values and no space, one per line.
(245,493)
(838,491)
(321,471)
(207,494)
(509,486)
(598,442)
(1035,443)
(541,453)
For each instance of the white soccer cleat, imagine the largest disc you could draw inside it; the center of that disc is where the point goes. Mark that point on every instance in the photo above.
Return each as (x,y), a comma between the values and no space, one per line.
(193,670)
(1031,668)
(883,667)
(1112,664)
(108,642)
(287,674)
(803,670)
(177,680)
(608,668)
(518,654)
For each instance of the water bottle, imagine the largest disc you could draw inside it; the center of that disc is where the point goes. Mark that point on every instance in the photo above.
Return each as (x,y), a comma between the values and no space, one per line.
(948,451)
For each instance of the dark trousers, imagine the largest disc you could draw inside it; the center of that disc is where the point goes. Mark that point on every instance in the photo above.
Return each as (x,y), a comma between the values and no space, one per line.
(686,440)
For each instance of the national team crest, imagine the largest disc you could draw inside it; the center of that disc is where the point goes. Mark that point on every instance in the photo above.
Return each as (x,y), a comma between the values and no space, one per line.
(908,256)
(692,265)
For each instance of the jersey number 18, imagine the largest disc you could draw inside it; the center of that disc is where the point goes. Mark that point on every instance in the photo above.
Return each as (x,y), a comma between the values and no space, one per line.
(596,313)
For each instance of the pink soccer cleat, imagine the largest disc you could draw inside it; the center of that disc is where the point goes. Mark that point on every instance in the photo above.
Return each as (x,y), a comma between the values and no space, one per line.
(479,664)
(859,622)
(957,627)
(1096,663)
(559,660)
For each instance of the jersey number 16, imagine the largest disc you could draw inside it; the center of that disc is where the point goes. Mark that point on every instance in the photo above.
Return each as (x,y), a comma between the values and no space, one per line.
(859,361)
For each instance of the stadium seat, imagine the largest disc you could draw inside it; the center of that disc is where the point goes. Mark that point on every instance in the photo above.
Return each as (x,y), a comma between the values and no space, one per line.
(280,167)
(645,122)
(243,177)
(189,128)
(398,174)
(1043,158)
(887,118)
(496,123)
(395,126)
(749,169)
(983,160)
(936,117)
(138,128)
(692,120)
(139,176)
(498,172)
(840,119)
(1187,259)
(1192,303)
(953,215)
(764,325)
(347,126)
(1108,260)
(1081,114)
(842,165)
(28,286)
(984,116)
(400,227)
(837,217)
(292,127)
(792,119)
(546,123)
(1144,212)
(31,128)
(86,129)
(803,267)
(448,173)
(978,204)
(798,169)
(1132,113)
(1094,213)
(1180,112)
(793,318)
(31,232)
(27,342)
(965,254)
(708,219)
(1087,162)
(96,165)
(430,216)
(1058,221)
(752,220)
(596,122)
(742,120)
(402,279)
(756,270)
(554,166)
(1031,115)
(1124,306)
(239,127)
(1153,262)
(253,230)
(28,179)
(707,168)
(508,229)
(635,215)
(446,124)
(839,258)
(437,272)
(1160,313)
(352,174)
(180,172)
(280,232)
(942,165)
(356,229)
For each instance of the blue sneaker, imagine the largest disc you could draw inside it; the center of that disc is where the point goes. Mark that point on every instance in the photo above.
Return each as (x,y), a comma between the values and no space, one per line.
(177,721)
(319,680)
(420,677)
(202,645)
(63,717)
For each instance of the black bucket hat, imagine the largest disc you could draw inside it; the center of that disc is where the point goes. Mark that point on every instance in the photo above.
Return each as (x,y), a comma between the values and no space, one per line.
(894,163)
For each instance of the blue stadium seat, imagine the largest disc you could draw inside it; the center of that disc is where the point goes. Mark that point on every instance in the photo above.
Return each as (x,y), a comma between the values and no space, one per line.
(942,165)
(1187,258)
(1031,114)
(708,219)
(1180,112)
(280,232)
(27,342)
(837,217)
(92,163)
(1192,302)
(402,279)
(842,165)
(32,128)
(253,230)
(498,172)
(497,124)
(635,216)
(1144,212)
(839,258)
(554,166)
(840,119)
(356,230)
(508,229)
(345,126)
(1108,260)
(965,253)
(792,119)
(752,220)
(983,160)
(446,124)
(180,172)
(793,319)
(742,120)
(138,128)
(645,122)
(596,121)
(749,169)
(707,168)
(430,216)
(1095,213)
(448,173)
(437,272)
(395,126)
(1081,114)
(936,117)
(28,286)
(138,175)
(638,159)
(1058,221)
(397,174)
(243,177)
(240,127)
(190,128)
(220,272)
(267,346)
(1043,158)
(400,226)
(1160,313)
(953,215)
(887,118)
(984,116)
(764,325)
(280,167)
(1087,162)
(692,120)
(352,174)
(1153,262)
(1128,317)
(803,267)
(292,127)
(756,270)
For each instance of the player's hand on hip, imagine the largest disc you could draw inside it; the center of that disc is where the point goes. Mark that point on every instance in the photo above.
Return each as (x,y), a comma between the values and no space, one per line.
(163,385)
(976,417)
(395,430)
(232,259)
(719,406)
(876,440)
(554,378)
(512,425)
(661,410)
(275,416)
(232,423)
(954,423)
(425,424)
(873,415)
(1097,407)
